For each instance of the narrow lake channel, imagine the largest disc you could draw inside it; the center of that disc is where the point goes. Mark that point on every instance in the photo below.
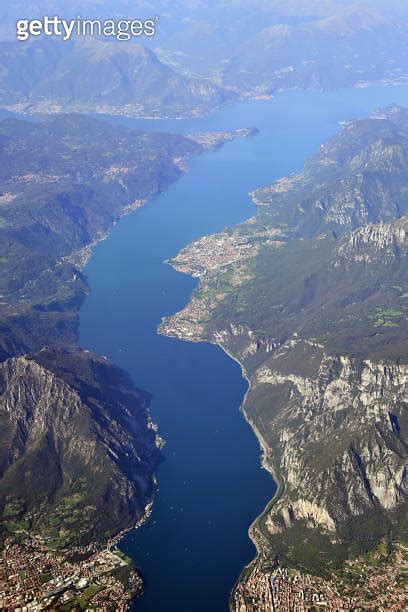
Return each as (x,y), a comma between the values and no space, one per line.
(211,486)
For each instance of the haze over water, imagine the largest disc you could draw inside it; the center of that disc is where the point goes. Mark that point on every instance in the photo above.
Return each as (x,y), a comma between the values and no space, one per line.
(211,486)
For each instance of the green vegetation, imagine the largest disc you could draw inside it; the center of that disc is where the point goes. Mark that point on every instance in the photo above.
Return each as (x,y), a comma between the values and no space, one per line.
(389,313)
(45,577)
(68,179)
(86,597)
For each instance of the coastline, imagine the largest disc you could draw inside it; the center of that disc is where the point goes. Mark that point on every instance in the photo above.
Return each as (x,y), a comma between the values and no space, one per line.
(107,545)
(265,464)
(53,108)
(258,525)
(265,451)
(209,141)
(81,257)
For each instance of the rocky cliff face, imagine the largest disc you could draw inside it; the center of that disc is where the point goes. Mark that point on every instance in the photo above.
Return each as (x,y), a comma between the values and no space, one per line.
(342,449)
(78,451)
(333,430)
(382,242)
(356,178)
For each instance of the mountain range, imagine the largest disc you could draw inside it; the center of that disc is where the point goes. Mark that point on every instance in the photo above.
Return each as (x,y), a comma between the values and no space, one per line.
(204,56)
(310,296)
(96,76)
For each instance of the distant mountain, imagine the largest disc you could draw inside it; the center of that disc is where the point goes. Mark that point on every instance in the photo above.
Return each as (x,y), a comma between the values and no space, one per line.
(225,49)
(206,54)
(95,76)
(348,47)
(260,48)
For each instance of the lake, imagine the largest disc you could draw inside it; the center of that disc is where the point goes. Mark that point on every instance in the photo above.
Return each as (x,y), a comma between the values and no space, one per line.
(211,485)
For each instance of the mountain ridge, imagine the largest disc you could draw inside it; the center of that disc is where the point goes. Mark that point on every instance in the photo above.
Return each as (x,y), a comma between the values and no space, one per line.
(316,314)
(96,76)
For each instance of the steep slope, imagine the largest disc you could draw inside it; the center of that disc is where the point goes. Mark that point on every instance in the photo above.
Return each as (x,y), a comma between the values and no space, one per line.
(78,452)
(237,49)
(264,47)
(356,178)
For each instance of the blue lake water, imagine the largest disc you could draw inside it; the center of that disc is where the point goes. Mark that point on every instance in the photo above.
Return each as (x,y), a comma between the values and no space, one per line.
(211,486)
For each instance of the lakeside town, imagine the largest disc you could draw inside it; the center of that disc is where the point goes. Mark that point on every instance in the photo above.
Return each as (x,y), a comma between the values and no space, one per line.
(34,577)
(283,590)
(211,253)
(228,252)
(365,585)
(212,140)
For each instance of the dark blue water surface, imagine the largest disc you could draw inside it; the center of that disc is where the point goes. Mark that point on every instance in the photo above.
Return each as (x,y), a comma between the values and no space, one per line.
(211,486)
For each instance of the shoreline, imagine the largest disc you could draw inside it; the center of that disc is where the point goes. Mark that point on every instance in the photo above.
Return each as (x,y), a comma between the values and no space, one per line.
(81,257)
(265,451)
(121,113)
